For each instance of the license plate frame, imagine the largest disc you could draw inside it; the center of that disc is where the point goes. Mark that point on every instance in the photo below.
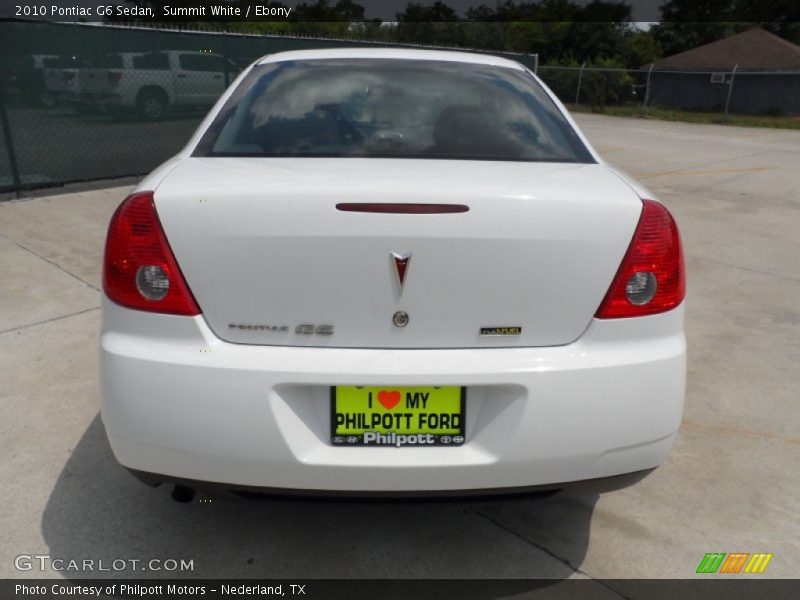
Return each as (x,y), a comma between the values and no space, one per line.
(408,432)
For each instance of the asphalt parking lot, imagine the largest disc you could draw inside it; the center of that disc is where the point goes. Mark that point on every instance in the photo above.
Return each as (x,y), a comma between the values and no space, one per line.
(731,484)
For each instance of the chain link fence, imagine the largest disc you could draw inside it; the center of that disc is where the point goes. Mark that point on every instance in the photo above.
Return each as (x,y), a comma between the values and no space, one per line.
(85,102)
(760,92)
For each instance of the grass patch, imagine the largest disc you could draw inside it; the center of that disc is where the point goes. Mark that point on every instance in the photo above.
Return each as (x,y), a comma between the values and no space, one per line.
(690,116)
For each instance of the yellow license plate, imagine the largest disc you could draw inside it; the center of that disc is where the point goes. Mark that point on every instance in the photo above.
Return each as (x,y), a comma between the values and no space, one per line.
(397,416)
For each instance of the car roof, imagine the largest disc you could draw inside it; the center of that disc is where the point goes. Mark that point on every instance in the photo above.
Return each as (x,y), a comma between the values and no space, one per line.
(390,53)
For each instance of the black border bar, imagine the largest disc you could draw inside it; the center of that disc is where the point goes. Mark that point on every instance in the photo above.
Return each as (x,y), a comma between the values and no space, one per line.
(710,588)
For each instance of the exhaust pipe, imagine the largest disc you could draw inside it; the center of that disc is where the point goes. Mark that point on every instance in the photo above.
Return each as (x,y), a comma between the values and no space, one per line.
(182,494)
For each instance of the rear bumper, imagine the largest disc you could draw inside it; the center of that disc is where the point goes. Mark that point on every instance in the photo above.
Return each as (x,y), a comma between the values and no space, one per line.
(227,491)
(179,402)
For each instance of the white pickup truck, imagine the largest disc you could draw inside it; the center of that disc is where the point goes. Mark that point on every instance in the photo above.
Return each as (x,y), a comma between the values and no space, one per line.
(61,79)
(151,83)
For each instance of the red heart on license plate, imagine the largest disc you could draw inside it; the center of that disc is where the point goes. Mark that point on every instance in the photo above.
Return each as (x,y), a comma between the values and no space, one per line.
(389,399)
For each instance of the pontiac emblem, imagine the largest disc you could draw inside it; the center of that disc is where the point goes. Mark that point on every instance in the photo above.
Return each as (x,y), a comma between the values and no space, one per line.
(401,262)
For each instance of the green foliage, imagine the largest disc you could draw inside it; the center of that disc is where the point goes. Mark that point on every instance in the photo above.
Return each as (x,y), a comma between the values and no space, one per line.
(430,33)
(555,29)
(563,82)
(484,36)
(437,12)
(532,36)
(600,88)
(323,10)
(435,25)
(679,36)
(639,48)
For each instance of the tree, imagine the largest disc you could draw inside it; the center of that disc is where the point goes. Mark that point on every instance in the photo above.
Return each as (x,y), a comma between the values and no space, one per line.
(639,48)
(559,29)
(781,17)
(687,24)
(323,11)
(437,24)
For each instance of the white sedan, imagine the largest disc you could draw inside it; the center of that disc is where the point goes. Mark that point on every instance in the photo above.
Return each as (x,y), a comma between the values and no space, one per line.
(391,272)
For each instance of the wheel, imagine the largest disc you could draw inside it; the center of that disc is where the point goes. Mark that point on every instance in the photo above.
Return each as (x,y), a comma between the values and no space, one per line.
(151,105)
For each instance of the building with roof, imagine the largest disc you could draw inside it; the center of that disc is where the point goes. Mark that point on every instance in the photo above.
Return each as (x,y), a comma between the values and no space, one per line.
(762,68)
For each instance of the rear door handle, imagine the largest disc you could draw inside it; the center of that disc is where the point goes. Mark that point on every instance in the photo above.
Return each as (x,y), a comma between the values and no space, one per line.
(217,76)
(182,76)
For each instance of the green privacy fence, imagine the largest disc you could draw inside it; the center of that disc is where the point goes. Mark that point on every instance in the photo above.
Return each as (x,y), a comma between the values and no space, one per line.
(83,102)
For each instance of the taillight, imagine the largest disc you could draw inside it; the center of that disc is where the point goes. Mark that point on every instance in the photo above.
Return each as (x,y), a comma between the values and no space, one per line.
(139,269)
(651,278)
(68,75)
(114,76)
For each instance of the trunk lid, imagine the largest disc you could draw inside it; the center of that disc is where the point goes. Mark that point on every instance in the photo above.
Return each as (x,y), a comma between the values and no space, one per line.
(265,250)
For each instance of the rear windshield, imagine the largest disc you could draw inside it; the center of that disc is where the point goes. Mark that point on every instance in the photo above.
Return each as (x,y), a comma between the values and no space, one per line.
(392,108)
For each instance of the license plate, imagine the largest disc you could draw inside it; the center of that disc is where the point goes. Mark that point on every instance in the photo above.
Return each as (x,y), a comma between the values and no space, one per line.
(397,416)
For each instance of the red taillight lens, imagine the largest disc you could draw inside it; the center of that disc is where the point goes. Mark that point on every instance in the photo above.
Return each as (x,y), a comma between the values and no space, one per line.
(114,76)
(140,270)
(68,75)
(651,278)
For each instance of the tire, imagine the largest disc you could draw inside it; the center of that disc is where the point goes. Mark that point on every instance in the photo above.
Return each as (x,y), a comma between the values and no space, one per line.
(151,105)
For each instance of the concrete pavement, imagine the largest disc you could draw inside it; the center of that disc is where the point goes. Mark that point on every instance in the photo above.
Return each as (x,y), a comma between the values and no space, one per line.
(730,485)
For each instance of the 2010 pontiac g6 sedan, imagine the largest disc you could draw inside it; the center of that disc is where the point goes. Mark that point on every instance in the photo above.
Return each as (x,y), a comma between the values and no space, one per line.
(391,272)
